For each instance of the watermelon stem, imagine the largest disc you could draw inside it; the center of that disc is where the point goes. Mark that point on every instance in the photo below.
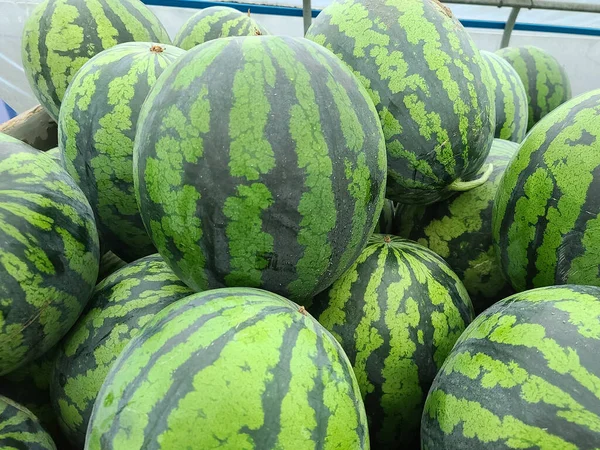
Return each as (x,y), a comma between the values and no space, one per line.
(157,49)
(462,186)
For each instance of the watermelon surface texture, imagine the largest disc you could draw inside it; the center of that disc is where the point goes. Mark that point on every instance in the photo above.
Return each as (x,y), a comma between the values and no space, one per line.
(397,313)
(49,254)
(512,108)
(55,154)
(544,78)
(547,207)
(97,126)
(20,429)
(385,224)
(524,375)
(119,308)
(239,368)
(61,35)
(460,231)
(269,173)
(427,80)
(216,22)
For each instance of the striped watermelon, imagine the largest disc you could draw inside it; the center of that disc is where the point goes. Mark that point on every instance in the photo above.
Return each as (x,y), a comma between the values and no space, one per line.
(460,231)
(54,153)
(547,208)
(97,125)
(216,22)
(512,111)
(397,313)
(545,80)
(120,306)
(272,176)
(109,263)
(386,219)
(523,375)
(428,82)
(61,35)
(49,254)
(20,429)
(230,368)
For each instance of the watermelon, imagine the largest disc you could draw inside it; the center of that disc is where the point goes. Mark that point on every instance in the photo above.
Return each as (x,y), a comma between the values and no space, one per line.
(109,263)
(259,162)
(20,429)
(49,254)
(512,111)
(386,218)
(397,313)
(61,35)
(119,308)
(523,375)
(216,22)
(55,154)
(230,368)
(547,209)
(544,78)
(97,126)
(428,82)
(460,231)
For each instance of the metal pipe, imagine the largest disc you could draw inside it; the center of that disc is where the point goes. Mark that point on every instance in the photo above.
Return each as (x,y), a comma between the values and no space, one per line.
(508,28)
(306,14)
(534,4)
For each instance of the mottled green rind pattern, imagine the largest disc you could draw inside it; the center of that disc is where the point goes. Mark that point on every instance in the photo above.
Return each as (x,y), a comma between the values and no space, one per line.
(55,154)
(61,35)
(119,308)
(216,22)
(48,254)
(460,231)
(97,125)
(259,161)
(512,108)
(235,368)
(427,80)
(544,78)
(397,313)
(547,208)
(524,375)
(20,429)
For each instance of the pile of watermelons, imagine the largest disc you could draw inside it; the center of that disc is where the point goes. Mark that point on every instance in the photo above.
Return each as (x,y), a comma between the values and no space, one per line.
(376,236)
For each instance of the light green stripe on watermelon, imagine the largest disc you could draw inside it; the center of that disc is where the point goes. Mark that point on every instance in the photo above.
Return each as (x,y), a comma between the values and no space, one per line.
(19,428)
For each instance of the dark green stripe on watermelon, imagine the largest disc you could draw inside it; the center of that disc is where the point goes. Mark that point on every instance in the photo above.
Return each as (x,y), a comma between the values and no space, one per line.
(512,110)
(427,80)
(61,35)
(546,219)
(97,126)
(524,375)
(48,254)
(230,368)
(544,78)
(260,162)
(460,231)
(216,22)
(20,429)
(397,313)
(119,308)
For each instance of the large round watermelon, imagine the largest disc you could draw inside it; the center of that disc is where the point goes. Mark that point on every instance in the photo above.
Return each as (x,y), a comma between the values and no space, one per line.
(546,219)
(524,375)
(428,82)
(397,313)
(259,161)
(49,254)
(544,78)
(234,368)
(512,111)
(97,125)
(216,22)
(460,231)
(20,429)
(61,35)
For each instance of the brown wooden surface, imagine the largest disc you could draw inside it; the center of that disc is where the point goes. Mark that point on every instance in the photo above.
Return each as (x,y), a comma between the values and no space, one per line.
(34,127)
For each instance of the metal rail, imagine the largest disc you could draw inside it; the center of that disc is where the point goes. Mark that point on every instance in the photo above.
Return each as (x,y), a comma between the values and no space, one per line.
(533,4)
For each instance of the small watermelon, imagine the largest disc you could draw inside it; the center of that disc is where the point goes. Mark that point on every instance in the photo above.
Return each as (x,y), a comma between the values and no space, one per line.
(460,231)
(20,429)
(544,78)
(61,35)
(97,126)
(428,82)
(546,218)
(260,162)
(216,22)
(512,111)
(524,375)
(233,368)
(397,313)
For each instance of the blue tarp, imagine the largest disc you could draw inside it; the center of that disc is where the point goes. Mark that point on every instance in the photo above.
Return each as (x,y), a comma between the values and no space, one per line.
(6,112)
